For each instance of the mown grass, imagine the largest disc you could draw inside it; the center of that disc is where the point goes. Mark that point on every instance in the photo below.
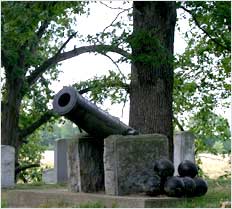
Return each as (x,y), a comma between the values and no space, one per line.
(40,186)
(218,191)
(62,204)
(28,186)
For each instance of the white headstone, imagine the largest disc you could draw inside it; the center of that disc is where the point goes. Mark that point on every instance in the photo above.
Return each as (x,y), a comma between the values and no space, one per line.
(48,176)
(7,166)
(183,148)
(60,161)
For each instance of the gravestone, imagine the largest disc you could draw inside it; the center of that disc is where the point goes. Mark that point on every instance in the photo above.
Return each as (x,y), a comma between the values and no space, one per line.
(183,148)
(7,166)
(85,164)
(128,158)
(48,176)
(60,161)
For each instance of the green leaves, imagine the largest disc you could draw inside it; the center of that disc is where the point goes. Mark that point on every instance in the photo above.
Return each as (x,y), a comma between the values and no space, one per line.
(110,86)
(215,19)
(202,74)
(211,131)
(154,52)
(31,153)
(30,27)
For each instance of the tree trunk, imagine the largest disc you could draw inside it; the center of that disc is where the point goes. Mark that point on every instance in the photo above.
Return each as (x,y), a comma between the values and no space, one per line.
(152,70)
(10,116)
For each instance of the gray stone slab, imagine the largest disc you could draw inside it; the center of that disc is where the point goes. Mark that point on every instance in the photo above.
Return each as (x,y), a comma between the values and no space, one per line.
(184,148)
(7,166)
(54,197)
(60,161)
(85,164)
(48,176)
(128,158)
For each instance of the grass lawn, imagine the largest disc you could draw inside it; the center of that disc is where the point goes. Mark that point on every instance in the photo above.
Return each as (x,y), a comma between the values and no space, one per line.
(218,191)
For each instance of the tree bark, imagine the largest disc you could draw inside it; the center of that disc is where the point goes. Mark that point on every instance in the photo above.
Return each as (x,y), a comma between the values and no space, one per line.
(152,78)
(10,115)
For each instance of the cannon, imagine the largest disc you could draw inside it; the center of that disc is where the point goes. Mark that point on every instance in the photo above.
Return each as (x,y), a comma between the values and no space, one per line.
(86,115)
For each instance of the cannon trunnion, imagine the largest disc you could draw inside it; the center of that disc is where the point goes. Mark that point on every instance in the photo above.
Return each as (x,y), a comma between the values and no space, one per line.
(96,122)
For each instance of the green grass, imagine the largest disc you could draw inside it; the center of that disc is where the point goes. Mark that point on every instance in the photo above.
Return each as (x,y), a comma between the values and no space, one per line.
(62,204)
(218,191)
(3,204)
(97,204)
(57,204)
(40,186)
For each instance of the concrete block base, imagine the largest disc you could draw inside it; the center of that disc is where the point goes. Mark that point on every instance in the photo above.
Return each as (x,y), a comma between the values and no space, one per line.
(54,197)
(130,159)
(85,164)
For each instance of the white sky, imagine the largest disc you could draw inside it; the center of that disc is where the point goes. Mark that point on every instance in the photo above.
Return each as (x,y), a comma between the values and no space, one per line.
(87,66)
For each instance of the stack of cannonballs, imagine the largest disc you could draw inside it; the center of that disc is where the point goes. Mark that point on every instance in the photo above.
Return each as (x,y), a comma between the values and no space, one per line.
(187,184)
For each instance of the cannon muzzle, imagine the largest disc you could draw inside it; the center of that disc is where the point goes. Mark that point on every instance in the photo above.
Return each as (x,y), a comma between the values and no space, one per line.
(86,115)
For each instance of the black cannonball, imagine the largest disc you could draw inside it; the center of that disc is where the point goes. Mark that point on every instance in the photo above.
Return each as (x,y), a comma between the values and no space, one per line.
(164,168)
(201,186)
(174,187)
(189,186)
(151,186)
(187,168)
(162,182)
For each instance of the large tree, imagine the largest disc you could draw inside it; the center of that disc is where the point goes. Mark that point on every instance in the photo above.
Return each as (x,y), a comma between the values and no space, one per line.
(34,41)
(32,46)
(152,68)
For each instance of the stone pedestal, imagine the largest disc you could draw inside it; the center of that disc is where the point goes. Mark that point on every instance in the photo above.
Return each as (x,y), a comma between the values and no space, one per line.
(85,164)
(128,158)
(7,166)
(60,161)
(183,148)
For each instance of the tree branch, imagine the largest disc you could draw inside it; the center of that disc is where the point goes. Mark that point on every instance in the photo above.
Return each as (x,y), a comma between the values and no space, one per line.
(124,78)
(118,8)
(67,55)
(29,130)
(115,19)
(39,35)
(65,43)
(85,90)
(42,29)
(25,167)
(205,31)
(124,86)
(178,124)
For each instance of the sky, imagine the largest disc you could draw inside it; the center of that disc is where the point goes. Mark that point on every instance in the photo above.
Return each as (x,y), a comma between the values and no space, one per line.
(87,66)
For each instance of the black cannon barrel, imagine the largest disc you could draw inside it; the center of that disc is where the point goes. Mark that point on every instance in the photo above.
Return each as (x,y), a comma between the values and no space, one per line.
(69,103)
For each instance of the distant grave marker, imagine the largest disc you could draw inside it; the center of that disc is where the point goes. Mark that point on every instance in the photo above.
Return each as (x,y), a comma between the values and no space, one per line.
(7,166)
